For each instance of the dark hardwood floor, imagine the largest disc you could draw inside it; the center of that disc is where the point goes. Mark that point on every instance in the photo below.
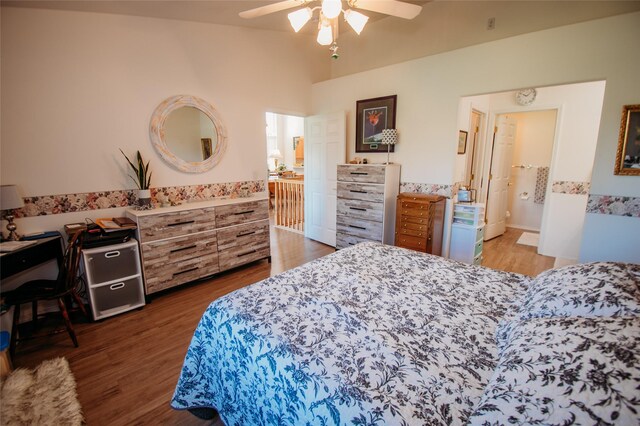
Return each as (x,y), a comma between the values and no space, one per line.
(127,366)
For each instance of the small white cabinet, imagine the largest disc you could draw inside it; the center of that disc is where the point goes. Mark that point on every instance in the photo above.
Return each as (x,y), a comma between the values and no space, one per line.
(467,233)
(114,279)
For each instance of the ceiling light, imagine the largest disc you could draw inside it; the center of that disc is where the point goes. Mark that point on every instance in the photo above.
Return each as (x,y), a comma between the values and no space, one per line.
(299,18)
(331,8)
(356,20)
(325,35)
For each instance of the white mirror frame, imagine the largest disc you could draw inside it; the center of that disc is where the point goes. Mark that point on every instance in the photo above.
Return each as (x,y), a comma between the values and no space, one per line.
(156,132)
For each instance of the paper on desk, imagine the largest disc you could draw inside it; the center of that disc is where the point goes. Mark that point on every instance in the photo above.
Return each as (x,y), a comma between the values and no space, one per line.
(9,246)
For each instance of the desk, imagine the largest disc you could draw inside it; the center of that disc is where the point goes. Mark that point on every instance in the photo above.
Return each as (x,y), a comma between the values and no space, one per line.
(33,255)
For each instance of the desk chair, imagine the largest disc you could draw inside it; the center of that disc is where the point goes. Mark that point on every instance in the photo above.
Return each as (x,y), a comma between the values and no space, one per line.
(58,289)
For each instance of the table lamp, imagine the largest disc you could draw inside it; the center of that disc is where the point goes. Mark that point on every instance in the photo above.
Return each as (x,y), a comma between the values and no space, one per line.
(10,199)
(276,155)
(389,137)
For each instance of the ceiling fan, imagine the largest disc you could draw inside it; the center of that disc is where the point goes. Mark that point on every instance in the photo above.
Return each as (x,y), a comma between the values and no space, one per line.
(330,11)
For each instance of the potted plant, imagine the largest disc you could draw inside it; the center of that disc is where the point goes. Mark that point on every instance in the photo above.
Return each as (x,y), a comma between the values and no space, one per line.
(142,178)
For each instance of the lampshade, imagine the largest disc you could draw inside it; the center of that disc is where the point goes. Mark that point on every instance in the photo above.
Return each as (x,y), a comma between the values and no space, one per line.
(10,197)
(299,18)
(325,35)
(356,20)
(389,136)
(331,8)
(275,154)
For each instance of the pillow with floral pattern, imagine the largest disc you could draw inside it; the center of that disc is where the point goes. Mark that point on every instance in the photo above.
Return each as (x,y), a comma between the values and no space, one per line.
(566,371)
(591,289)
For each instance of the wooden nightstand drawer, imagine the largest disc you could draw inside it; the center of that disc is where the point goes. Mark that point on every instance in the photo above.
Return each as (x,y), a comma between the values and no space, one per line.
(411,242)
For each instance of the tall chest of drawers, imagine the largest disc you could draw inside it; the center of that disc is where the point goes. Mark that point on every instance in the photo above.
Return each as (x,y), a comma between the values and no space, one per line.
(184,243)
(366,203)
(420,222)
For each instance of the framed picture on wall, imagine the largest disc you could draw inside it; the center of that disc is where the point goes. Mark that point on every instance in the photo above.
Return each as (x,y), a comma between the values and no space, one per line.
(372,117)
(628,155)
(462,142)
(207,148)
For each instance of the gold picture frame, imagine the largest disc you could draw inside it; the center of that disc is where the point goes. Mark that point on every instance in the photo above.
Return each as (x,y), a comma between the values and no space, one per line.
(628,154)
(462,141)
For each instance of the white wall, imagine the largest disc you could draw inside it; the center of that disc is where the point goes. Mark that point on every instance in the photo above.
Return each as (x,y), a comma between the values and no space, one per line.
(78,86)
(429,90)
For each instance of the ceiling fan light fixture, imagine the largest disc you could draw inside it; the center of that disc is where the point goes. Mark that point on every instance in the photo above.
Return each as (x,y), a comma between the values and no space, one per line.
(331,8)
(325,35)
(356,20)
(299,18)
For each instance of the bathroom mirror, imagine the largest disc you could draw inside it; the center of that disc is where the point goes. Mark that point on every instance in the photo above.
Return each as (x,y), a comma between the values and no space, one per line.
(188,133)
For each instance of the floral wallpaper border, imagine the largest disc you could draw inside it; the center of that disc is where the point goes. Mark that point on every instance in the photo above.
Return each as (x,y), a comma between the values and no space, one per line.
(570,187)
(69,203)
(429,188)
(614,205)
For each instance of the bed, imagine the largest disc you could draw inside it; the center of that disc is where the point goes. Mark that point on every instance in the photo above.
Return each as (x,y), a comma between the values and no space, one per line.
(380,335)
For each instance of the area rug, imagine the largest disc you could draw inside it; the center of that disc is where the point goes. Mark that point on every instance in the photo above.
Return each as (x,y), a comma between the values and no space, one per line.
(529,239)
(44,396)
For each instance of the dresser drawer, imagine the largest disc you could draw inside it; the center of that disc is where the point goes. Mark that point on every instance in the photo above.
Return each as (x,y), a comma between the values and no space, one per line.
(178,249)
(423,234)
(166,275)
(233,214)
(360,228)
(366,210)
(167,225)
(243,236)
(239,255)
(113,298)
(411,242)
(361,191)
(345,240)
(361,173)
(415,212)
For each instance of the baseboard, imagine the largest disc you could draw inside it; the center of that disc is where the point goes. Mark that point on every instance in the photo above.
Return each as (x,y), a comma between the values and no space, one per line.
(524,228)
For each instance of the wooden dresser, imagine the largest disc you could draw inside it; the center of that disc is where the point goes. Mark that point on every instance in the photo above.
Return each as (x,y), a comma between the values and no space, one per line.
(194,240)
(420,222)
(366,206)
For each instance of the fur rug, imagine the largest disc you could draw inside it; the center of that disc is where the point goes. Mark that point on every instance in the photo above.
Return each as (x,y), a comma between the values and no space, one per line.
(44,396)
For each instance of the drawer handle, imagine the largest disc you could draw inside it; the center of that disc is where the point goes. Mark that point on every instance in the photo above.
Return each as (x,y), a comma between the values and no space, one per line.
(183,248)
(181,223)
(111,254)
(245,234)
(247,253)
(357,227)
(358,208)
(357,191)
(244,212)
(117,286)
(360,173)
(185,271)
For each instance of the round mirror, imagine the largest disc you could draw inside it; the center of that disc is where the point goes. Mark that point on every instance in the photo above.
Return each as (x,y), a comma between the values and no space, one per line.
(188,133)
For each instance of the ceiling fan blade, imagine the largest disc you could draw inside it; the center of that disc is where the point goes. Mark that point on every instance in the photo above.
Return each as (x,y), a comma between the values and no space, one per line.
(389,7)
(271,8)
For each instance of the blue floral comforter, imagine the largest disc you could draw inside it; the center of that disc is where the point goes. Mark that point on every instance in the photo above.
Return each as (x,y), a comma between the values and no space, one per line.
(370,335)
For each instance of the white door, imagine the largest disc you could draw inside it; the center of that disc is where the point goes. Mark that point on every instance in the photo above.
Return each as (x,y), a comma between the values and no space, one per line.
(324,149)
(500,170)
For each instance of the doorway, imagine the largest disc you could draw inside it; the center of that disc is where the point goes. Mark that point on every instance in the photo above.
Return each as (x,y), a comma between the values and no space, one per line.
(577,109)
(285,165)
(520,166)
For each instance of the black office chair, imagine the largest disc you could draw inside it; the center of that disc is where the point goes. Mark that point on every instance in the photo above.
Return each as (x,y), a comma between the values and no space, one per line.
(59,289)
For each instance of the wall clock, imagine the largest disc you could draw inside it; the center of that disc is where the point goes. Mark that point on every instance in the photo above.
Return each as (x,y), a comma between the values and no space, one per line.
(526,96)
